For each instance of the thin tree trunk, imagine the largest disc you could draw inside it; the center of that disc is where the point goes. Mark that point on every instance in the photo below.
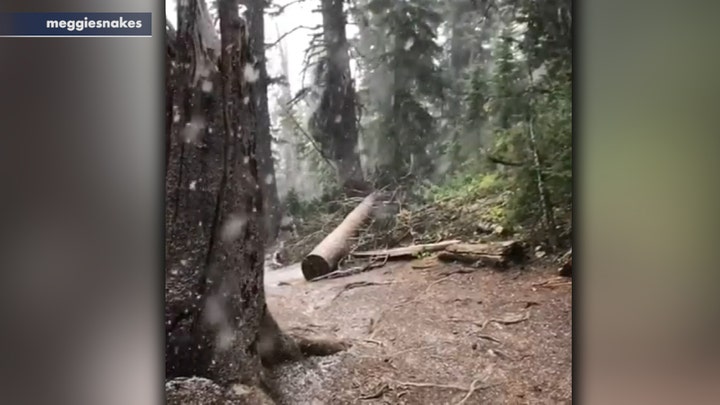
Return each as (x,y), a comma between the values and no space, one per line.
(266,166)
(547,207)
(548,211)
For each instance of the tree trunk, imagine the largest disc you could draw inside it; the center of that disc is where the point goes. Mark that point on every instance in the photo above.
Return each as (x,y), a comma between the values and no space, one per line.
(266,166)
(336,117)
(217,324)
(326,255)
(215,313)
(460,50)
(547,208)
(170,55)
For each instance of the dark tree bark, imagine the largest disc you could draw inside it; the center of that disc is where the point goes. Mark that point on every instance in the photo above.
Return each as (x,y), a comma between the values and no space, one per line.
(170,55)
(335,120)
(266,167)
(217,323)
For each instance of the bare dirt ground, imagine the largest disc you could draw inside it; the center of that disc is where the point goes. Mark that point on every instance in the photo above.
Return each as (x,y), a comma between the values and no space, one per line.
(436,335)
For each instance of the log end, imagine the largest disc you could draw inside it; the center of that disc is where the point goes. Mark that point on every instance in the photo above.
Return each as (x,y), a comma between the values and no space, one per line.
(314,266)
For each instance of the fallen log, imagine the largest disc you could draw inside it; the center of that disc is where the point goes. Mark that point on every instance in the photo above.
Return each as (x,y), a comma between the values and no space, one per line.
(498,254)
(326,255)
(406,251)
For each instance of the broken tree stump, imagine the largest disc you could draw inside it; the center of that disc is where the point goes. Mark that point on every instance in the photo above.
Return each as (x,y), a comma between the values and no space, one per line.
(497,254)
(326,255)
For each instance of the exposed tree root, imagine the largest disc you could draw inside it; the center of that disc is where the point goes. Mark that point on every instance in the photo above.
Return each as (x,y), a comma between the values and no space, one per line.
(470,390)
(275,346)
(320,346)
(357,284)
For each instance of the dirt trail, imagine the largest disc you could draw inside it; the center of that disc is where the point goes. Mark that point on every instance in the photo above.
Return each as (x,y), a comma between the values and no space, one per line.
(424,336)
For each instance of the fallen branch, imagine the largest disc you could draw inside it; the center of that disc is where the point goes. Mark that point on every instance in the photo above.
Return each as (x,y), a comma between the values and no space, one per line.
(507,320)
(413,250)
(341,273)
(490,338)
(480,325)
(358,284)
(352,270)
(470,390)
(553,282)
(373,341)
(428,385)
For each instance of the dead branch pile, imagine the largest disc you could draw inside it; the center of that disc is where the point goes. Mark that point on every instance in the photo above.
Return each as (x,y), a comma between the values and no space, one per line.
(396,223)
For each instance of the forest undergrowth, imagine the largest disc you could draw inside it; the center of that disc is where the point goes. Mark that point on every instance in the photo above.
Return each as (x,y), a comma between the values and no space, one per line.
(471,208)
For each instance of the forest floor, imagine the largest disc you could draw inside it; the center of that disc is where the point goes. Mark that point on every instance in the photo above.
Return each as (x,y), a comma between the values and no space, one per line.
(444,334)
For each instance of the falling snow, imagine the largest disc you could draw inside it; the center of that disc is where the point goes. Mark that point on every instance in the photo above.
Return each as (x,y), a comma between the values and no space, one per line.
(191,132)
(251,74)
(225,338)
(409,43)
(269,179)
(338,119)
(233,227)
(213,313)
(193,184)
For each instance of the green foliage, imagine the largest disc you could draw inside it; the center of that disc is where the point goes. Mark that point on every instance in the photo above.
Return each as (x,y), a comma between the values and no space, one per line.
(504,104)
(543,106)
(476,97)
(466,187)
(293,205)
(401,84)
(498,89)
